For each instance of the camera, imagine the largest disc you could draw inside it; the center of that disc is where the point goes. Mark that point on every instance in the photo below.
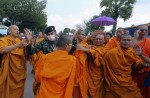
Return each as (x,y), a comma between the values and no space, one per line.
(74,46)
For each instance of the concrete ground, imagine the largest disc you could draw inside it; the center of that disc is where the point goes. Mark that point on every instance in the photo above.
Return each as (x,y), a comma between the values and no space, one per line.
(28,92)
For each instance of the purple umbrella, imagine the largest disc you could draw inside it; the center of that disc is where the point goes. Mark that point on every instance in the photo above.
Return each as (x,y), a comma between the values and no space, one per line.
(103,21)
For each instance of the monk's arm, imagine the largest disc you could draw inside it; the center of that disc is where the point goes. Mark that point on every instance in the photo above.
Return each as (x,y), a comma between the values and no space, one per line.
(10,48)
(7,49)
(146,59)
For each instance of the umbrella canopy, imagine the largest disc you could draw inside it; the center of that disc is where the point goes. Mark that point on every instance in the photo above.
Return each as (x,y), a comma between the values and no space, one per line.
(103,21)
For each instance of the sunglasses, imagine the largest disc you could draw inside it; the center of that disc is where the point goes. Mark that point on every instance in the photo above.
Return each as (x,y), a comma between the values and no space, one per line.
(142,30)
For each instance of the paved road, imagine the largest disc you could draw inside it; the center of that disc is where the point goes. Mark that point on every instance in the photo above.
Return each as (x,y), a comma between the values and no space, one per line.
(28,93)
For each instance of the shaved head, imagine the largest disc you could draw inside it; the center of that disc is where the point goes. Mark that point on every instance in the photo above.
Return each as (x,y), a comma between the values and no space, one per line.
(63,40)
(99,40)
(13,31)
(125,41)
(142,27)
(125,35)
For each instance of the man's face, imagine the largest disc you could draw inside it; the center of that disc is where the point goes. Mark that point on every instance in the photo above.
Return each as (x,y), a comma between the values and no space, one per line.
(126,41)
(81,36)
(143,31)
(108,36)
(51,36)
(119,33)
(99,40)
(14,31)
(40,34)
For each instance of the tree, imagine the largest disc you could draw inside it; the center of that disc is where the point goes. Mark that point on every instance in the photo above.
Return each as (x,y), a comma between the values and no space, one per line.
(72,31)
(25,13)
(66,30)
(116,9)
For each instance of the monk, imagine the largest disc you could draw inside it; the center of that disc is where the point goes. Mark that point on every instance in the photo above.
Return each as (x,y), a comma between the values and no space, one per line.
(114,41)
(81,85)
(95,71)
(118,64)
(13,64)
(35,57)
(39,38)
(144,42)
(56,71)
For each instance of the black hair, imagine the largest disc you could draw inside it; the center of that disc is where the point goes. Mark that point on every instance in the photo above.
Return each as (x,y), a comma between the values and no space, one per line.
(109,34)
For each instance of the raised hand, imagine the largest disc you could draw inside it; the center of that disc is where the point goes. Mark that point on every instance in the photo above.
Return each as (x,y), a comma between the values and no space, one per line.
(138,50)
(28,35)
(23,42)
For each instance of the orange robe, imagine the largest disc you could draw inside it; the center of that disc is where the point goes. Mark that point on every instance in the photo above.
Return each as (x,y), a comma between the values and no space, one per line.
(117,65)
(95,73)
(12,70)
(56,72)
(112,43)
(35,57)
(140,77)
(38,40)
(81,85)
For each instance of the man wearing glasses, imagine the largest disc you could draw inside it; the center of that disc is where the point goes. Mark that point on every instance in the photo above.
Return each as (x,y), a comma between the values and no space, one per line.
(144,43)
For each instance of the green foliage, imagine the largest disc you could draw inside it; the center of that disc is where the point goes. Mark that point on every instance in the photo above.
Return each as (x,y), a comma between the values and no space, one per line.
(28,13)
(72,31)
(117,8)
(66,30)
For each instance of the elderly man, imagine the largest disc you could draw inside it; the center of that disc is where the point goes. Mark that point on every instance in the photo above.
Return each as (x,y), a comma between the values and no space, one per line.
(118,64)
(144,42)
(13,65)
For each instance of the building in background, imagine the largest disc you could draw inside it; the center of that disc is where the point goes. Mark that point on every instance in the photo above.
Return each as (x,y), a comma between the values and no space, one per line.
(133,28)
(3,30)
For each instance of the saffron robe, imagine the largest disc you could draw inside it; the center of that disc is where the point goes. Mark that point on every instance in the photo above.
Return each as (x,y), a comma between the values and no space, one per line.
(56,73)
(81,84)
(95,72)
(12,70)
(112,43)
(140,77)
(117,65)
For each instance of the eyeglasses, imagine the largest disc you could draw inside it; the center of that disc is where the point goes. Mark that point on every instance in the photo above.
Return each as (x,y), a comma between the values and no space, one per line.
(142,30)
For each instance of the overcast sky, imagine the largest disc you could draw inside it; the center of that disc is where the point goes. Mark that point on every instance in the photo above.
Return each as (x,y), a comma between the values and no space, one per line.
(68,13)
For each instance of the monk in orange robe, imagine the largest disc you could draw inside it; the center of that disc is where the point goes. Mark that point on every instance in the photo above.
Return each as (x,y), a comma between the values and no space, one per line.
(144,42)
(118,64)
(56,71)
(13,65)
(81,85)
(89,39)
(95,71)
(39,38)
(114,41)
(35,57)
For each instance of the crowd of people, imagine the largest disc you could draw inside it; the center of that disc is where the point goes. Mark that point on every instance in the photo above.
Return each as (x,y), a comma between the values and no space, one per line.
(96,66)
